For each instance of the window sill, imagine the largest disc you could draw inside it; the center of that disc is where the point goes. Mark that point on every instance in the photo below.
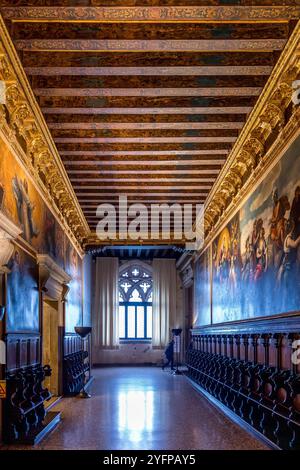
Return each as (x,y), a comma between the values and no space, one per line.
(135,341)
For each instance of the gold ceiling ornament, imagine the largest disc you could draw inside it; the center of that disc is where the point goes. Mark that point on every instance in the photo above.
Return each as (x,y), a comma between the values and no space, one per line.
(267,122)
(23,124)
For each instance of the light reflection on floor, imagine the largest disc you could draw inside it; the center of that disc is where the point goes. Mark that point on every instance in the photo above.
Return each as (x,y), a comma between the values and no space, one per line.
(143,408)
(135,413)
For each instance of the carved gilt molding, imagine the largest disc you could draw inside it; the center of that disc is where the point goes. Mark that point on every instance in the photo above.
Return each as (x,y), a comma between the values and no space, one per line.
(24,127)
(251,153)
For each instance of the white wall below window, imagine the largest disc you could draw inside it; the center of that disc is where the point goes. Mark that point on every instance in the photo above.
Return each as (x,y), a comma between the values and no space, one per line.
(129,353)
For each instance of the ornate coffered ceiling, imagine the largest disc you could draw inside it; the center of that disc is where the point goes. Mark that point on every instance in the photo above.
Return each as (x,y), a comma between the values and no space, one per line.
(147,100)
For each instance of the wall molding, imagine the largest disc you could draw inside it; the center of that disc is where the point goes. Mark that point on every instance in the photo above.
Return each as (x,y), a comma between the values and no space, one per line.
(287,322)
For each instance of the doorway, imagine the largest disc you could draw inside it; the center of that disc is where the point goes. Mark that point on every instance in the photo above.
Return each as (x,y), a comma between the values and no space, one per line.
(52,346)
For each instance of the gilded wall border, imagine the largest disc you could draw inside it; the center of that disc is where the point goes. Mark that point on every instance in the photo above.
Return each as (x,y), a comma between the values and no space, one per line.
(249,157)
(21,116)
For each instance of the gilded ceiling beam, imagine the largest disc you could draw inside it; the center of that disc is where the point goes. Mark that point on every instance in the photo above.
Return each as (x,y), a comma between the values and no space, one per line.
(20,116)
(250,156)
(162,14)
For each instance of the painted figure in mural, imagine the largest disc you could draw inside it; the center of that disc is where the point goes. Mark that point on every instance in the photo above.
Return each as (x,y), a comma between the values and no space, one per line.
(295,212)
(254,241)
(277,227)
(16,274)
(223,267)
(247,268)
(260,252)
(234,256)
(50,241)
(1,195)
(25,208)
(286,273)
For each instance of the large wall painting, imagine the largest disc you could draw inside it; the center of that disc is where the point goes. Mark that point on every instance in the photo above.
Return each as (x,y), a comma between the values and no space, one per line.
(202,285)
(22,294)
(256,257)
(21,201)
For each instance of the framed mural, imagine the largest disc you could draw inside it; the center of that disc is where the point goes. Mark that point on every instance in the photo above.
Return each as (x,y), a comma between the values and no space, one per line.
(202,286)
(256,257)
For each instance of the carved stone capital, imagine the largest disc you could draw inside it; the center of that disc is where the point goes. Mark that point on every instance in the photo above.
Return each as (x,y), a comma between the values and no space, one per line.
(53,279)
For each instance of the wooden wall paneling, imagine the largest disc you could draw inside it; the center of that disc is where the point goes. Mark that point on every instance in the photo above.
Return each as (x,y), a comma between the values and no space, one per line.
(252,374)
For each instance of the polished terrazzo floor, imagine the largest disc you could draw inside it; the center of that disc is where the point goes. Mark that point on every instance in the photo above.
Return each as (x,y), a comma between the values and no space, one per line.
(143,408)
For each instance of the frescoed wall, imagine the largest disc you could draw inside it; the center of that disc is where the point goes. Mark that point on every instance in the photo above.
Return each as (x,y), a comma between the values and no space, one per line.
(202,297)
(256,257)
(22,294)
(20,200)
(74,303)
(87,266)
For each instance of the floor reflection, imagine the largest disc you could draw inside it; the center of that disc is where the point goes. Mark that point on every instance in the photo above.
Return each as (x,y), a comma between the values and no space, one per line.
(135,413)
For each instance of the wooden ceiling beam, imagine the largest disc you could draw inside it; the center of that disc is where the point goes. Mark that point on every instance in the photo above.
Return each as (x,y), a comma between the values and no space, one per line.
(149,92)
(94,203)
(88,31)
(172,45)
(137,133)
(155,134)
(162,102)
(144,125)
(127,165)
(235,70)
(164,14)
(183,179)
(140,153)
(142,140)
(217,110)
(155,59)
(144,119)
(133,187)
(148,148)
(91,207)
(159,196)
(173,82)
(120,173)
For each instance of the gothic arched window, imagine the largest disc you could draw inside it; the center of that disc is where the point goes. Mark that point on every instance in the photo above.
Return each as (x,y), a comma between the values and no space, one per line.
(135,301)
